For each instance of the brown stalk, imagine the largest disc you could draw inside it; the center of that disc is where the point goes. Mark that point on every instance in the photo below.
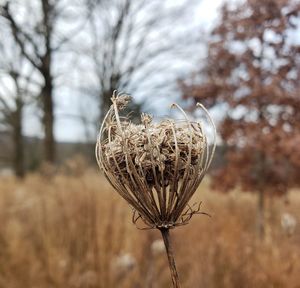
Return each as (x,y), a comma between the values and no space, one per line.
(165,233)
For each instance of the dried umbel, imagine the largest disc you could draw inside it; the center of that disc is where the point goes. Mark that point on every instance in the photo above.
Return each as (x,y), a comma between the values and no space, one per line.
(155,167)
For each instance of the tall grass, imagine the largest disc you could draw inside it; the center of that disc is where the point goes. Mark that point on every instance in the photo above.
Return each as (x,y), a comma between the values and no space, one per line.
(73,230)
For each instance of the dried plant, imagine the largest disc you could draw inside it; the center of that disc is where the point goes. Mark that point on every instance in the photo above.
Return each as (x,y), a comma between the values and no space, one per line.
(155,167)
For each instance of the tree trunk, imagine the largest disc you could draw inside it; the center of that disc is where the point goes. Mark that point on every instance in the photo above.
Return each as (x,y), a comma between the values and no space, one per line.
(49,141)
(261,214)
(47,92)
(18,141)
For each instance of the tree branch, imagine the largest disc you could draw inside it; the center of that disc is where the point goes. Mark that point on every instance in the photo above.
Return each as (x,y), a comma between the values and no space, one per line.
(16,32)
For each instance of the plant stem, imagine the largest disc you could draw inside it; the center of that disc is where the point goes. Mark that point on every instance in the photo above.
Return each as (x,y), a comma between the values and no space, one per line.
(174,275)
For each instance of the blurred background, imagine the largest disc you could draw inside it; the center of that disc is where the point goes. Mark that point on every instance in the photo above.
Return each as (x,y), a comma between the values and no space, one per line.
(62,225)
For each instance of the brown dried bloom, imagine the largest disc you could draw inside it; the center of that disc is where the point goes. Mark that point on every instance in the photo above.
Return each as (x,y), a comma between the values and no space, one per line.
(146,119)
(156,168)
(121,100)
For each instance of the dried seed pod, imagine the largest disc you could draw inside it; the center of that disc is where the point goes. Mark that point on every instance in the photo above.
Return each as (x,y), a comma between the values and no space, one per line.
(156,168)
(146,119)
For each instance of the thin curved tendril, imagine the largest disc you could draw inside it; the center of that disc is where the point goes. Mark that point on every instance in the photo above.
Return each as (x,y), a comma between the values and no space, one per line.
(214,134)
(184,185)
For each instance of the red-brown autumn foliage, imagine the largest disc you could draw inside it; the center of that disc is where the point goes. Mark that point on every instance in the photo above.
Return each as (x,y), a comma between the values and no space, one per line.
(252,73)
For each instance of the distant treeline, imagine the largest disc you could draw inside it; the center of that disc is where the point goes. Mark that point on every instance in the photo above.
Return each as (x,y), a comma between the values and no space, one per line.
(34,151)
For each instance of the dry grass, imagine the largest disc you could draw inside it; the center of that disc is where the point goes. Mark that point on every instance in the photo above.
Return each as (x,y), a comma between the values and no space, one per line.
(75,231)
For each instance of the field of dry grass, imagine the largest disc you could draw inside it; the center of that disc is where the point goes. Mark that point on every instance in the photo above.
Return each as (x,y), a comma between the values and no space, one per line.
(73,230)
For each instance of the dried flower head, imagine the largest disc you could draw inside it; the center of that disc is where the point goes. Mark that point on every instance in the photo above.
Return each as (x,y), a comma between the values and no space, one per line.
(155,167)
(120,100)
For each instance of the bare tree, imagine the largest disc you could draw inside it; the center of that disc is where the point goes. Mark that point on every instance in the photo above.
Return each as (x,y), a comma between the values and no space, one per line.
(137,47)
(39,37)
(17,88)
(11,117)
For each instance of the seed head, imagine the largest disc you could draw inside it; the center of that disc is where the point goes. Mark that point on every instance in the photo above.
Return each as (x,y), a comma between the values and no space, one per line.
(155,167)
(146,119)
(121,100)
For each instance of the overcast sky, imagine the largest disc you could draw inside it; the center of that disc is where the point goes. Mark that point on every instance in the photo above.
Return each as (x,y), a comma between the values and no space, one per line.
(70,129)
